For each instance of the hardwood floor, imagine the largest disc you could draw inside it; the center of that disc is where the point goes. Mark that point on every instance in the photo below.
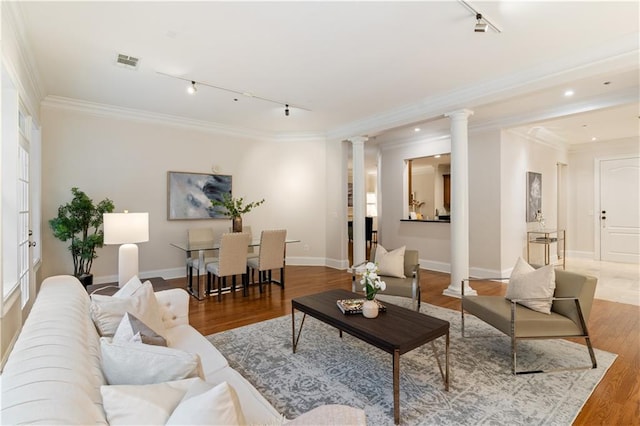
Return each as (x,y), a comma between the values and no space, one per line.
(614,327)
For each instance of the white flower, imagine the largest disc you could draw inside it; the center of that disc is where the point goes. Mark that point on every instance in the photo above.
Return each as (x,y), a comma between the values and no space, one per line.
(370,280)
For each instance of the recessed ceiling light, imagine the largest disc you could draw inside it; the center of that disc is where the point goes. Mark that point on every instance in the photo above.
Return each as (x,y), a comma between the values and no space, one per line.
(437,156)
(593,139)
(417,129)
(568,93)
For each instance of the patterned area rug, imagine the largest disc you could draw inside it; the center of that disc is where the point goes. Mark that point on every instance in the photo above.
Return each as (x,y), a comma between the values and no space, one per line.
(329,370)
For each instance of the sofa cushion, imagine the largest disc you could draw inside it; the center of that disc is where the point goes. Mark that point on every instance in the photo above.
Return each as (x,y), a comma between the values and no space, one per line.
(390,263)
(205,403)
(188,339)
(143,404)
(53,373)
(131,329)
(107,311)
(529,283)
(256,408)
(140,364)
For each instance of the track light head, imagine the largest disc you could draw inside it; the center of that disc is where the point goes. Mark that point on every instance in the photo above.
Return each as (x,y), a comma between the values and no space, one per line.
(191,89)
(481,27)
(286,110)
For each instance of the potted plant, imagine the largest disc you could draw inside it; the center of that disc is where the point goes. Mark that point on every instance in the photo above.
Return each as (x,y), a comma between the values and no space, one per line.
(235,208)
(80,221)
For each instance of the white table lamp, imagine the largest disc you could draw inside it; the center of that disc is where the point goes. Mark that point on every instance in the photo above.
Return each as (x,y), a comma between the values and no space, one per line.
(126,229)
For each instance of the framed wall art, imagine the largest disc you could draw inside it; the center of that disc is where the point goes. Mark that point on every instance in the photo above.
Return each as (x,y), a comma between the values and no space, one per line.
(189,195)
(534,195)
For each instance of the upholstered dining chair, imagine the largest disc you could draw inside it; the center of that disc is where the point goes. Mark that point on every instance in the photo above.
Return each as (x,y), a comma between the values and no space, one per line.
(232,261)
(271,257)
(251,252)
(198,236)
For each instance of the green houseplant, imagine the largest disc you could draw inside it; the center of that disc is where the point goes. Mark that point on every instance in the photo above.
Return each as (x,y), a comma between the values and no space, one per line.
(80,221)
(235,208)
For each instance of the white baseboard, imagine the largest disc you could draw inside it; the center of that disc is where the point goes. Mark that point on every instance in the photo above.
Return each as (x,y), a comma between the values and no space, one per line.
(435,266)
(581,254)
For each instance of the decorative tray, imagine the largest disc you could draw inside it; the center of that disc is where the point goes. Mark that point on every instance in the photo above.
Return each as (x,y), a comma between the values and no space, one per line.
(354,306)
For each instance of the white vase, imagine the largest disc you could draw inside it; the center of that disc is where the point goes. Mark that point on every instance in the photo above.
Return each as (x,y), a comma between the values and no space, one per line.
(370,309)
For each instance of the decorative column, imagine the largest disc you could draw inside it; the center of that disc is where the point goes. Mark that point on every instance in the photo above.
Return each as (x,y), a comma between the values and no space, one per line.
(359,203)
(459,203)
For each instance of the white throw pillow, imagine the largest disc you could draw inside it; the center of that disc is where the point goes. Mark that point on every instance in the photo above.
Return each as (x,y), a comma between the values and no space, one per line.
(107,311)
(205,404)
(143,404)
(527,282)
(131,329)
(390,263)
(129,288)
(140,364)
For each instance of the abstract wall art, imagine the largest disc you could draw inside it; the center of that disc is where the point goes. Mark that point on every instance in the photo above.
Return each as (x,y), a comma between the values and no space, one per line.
(189,195)
(534,195)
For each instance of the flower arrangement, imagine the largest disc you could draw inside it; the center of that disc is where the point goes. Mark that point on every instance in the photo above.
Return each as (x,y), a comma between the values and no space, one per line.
(371,282)
(235,207)
(540,219)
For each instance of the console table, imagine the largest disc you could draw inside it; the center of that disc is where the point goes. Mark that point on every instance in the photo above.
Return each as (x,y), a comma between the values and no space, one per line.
(547,237)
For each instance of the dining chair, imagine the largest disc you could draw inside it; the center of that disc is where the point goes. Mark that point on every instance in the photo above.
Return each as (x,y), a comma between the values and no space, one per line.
(232,261)
(271,257)
(198,236)
(251,252)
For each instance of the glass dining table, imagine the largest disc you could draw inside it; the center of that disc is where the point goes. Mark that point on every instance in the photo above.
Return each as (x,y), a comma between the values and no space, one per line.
(202,248)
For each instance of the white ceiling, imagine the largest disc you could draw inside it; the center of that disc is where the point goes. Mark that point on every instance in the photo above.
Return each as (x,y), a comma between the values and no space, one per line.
(359,67)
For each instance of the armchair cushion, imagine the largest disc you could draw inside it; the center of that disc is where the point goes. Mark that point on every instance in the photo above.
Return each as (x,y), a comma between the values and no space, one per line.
(390,263)
(529,283)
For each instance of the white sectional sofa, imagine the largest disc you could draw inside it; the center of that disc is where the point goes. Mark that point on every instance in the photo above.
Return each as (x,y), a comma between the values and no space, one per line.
(54,373)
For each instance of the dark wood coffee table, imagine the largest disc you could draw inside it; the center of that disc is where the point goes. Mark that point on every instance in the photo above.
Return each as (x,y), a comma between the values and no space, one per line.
(396,331)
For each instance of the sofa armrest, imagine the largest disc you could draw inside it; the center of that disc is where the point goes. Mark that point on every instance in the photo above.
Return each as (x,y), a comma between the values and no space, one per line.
(174,306)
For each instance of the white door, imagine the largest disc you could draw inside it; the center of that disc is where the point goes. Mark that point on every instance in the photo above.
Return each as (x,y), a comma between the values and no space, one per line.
(620,210)
(25,270)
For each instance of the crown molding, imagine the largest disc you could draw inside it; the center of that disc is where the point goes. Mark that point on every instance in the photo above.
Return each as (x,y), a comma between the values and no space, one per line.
(32,91)
(122,113)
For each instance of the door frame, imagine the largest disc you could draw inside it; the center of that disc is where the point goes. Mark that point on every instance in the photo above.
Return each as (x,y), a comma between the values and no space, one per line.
(597,244)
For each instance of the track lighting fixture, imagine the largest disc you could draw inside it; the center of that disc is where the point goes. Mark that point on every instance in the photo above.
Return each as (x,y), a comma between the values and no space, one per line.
(191,89)
(482,23)
(481,27)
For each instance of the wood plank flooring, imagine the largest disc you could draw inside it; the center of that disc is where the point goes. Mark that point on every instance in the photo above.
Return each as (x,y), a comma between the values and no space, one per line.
(614,327)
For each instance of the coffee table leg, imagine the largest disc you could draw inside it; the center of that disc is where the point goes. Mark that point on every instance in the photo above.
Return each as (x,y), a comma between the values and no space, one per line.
(396,386)
(293,329)
(446,357)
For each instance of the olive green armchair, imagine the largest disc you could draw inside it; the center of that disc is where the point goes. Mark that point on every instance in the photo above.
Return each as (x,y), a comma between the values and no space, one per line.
(404,287)
(570,309)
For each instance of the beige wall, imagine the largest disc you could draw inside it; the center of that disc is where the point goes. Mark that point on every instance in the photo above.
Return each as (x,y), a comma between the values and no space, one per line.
(485,195)
(430,239)
(519,156)
(498,165)
(127,160)
(582,205)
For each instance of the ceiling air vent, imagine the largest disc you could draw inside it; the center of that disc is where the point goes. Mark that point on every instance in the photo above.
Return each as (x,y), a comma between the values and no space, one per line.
(127,61)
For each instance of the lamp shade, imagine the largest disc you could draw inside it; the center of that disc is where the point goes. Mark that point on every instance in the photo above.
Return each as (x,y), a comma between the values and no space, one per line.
(124,228)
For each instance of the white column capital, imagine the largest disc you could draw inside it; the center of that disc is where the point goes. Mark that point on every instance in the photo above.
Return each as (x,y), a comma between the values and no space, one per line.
(459,113)
(358,140)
